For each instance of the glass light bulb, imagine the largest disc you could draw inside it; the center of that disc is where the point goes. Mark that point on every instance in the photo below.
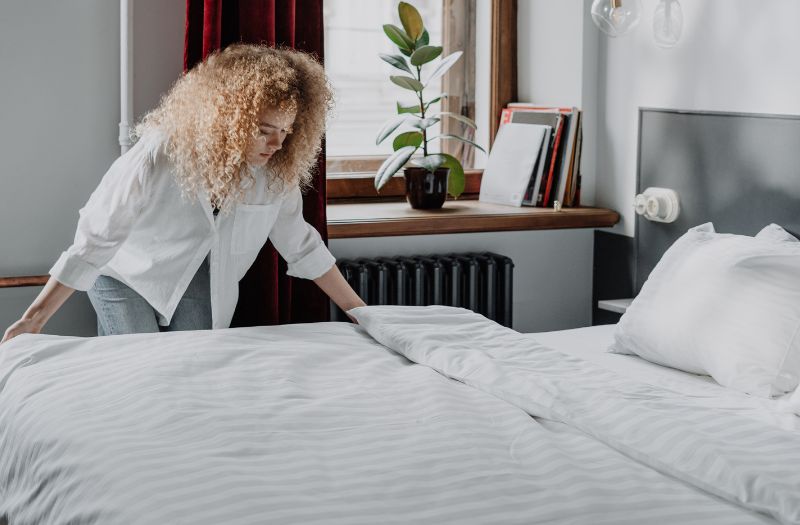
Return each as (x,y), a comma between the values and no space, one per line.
(616,17)
(667,23)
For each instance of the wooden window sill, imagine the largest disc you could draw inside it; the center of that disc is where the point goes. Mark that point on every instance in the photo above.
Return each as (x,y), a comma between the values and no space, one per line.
(385,219)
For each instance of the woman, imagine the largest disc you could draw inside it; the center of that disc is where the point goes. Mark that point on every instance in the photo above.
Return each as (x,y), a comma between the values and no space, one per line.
(177,221)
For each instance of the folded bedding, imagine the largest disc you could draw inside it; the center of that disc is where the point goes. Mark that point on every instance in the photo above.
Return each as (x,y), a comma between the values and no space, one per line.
(690,438)
(418,415)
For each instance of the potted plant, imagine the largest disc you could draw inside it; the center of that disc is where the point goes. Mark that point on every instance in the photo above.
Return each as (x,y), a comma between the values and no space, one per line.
(433,174)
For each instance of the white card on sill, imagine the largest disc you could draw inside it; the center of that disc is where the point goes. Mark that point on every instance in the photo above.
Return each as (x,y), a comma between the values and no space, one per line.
(512,159)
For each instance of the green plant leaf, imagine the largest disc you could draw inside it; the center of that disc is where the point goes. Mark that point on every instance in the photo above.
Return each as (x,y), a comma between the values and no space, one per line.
(456,137)
(424,39)
(461,118)
(409,138)
(425,54)
(435,100)
(406,52)
(391,165)
(422,123)
(407,82)
(455,181)
(397,61)
(398,36)
(446,63)
(431,162)
(407,109)
(411,20)
(389,127)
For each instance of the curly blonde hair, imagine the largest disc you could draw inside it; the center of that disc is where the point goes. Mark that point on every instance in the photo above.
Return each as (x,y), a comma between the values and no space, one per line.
(210,116)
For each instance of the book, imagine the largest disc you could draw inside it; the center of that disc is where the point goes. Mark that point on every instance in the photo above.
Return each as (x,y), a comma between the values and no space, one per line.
(554,119)
(574,191)
(538,171)
(531,105)
(568,157)
(570,150)
(511,163)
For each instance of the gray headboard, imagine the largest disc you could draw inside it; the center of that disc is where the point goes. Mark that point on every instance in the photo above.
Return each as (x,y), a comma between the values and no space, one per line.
(739,171)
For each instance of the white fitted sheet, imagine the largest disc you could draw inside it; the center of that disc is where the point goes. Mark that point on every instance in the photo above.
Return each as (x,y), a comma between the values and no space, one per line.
(591,343)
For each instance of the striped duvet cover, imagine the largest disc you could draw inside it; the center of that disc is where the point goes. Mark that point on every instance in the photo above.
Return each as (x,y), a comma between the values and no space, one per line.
(322,424)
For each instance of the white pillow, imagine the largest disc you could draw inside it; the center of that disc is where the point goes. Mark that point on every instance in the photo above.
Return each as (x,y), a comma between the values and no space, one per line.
(723,305)
(776,233)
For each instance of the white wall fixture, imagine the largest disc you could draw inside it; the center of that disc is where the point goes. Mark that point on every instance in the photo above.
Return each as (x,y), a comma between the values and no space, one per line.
(658,204)
(667,23)
(616,17)
(126,73)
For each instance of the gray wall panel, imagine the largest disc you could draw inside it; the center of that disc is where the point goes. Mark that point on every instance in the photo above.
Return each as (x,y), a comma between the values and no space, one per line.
(739,171)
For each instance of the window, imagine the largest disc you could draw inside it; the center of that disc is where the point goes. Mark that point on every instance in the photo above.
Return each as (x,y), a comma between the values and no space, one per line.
(365,98)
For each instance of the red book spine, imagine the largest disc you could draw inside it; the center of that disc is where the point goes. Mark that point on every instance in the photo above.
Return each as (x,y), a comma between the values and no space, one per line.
(505,116)
(551,172)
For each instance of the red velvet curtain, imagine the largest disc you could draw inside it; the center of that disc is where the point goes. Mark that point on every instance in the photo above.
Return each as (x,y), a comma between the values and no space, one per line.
(266,294)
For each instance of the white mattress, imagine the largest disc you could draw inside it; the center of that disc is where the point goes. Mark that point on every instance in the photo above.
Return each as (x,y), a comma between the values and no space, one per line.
(590,344)
(323,424)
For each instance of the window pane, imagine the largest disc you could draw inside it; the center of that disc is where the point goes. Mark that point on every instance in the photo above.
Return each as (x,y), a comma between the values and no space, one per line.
(365,97)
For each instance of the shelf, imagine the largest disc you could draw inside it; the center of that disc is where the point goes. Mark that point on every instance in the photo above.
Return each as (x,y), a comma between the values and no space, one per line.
(618,306)
(384,219)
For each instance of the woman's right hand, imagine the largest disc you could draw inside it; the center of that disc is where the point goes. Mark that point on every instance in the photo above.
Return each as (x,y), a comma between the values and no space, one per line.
(23,326)
(43,307)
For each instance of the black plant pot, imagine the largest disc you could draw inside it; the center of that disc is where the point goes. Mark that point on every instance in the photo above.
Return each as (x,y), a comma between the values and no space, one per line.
(426,190)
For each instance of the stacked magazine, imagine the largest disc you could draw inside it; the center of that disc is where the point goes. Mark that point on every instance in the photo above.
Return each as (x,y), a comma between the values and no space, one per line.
(535,159)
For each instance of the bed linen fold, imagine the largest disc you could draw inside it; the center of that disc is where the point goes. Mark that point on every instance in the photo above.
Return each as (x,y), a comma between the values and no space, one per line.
(693,439)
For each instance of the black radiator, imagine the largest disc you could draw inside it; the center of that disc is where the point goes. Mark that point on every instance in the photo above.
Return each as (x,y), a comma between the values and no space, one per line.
(482,282)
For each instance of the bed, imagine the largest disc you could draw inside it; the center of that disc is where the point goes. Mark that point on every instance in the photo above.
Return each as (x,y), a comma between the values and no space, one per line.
(423,415)
(417,415)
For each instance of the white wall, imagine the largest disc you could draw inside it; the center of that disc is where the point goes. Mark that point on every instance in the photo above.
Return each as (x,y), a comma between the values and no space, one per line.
(550,47)
(158,38)
(736,55)
(59,125)
(58,135)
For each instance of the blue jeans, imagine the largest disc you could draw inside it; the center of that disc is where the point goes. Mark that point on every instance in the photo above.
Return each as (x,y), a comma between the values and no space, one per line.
(120,310)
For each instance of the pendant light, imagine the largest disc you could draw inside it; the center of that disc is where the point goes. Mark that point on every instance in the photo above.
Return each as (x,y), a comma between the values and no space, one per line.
(616,17)
(667,23)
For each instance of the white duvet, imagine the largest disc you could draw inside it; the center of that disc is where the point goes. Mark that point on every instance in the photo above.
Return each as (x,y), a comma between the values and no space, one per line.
(322,424)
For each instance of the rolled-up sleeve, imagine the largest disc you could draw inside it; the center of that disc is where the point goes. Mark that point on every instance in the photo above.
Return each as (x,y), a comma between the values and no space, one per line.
(298,242)
(106,220)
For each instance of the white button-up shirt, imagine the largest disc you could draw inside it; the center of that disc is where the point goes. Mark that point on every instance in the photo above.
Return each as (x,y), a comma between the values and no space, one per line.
(139,228)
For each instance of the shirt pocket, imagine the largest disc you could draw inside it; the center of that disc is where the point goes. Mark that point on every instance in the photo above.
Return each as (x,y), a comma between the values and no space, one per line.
(251,226)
